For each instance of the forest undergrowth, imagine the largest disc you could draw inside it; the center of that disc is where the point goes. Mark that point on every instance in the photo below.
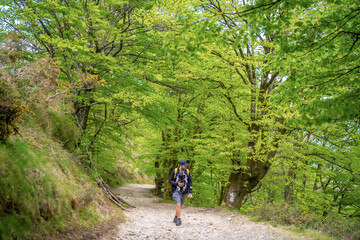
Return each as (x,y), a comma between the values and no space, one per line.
(299,219)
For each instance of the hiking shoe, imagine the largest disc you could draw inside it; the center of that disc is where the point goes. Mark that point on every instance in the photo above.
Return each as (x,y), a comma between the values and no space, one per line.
(175,219)
(178,222)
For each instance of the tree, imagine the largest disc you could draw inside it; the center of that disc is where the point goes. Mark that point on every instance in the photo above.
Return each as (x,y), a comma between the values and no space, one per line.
(94,41)
(244,64)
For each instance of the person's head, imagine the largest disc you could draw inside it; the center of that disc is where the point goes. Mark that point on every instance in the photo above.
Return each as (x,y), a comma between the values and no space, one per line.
(183,164)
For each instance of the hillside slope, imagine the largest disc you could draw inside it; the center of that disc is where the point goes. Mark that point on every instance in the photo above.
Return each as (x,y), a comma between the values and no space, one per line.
(45,192)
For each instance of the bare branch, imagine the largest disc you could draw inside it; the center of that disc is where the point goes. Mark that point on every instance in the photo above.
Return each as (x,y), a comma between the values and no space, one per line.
(57,94)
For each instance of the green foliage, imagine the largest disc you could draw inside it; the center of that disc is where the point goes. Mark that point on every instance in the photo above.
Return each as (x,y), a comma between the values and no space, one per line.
(115,168)
(323,80)
(204,195)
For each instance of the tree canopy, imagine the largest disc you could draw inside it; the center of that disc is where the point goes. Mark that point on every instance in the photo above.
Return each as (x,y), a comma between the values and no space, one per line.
(261,97)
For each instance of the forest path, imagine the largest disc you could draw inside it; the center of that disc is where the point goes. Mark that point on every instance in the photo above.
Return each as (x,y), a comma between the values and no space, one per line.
(153,219)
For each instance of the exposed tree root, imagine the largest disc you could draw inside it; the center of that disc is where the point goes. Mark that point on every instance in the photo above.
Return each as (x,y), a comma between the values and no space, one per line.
(116,199)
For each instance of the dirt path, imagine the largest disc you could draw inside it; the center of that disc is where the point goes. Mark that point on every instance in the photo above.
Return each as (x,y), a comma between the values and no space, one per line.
(153,219)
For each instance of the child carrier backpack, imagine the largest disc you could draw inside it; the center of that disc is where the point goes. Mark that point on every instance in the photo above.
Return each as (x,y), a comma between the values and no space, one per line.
(187,171)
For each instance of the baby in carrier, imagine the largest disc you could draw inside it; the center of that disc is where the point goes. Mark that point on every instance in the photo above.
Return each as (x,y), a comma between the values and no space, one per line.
(182,177)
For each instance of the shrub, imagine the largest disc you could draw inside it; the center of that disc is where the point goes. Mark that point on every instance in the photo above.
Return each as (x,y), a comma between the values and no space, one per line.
(341,227)
(290,214)
(11,111)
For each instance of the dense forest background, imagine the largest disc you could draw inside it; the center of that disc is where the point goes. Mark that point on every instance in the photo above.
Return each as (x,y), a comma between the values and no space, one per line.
(260,97)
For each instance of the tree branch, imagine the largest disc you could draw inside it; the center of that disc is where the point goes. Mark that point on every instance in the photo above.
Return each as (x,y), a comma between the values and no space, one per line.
(329,161)
(57,94)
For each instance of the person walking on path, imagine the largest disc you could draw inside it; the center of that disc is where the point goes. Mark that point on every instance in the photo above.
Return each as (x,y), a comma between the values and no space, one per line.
(181,184)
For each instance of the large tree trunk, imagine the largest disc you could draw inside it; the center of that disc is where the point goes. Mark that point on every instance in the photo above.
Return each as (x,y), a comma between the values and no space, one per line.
(242,182)
(82,113)
(82,108)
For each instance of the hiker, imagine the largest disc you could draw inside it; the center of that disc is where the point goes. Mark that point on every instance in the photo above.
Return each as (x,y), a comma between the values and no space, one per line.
(181,184)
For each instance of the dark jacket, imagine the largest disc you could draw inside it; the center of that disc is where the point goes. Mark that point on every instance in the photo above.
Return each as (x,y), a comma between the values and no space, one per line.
(174,184)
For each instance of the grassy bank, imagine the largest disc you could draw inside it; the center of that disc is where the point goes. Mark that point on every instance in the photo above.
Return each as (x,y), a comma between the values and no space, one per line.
(45,191)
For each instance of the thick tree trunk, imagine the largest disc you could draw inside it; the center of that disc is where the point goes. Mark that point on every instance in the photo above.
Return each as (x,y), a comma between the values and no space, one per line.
(82,113)
(244,181)
(258,159)
(82,109)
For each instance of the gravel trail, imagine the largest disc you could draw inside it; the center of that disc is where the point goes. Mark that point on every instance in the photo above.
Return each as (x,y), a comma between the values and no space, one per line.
(153,219)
